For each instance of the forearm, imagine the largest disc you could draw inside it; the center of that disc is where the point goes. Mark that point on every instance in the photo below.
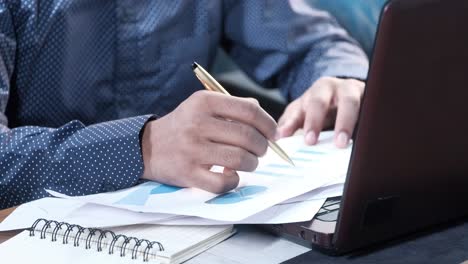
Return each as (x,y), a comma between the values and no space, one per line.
(337,56)
(72,159)
(281,44)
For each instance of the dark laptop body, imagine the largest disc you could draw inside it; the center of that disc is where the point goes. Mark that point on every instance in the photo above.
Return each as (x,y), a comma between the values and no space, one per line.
(409,166)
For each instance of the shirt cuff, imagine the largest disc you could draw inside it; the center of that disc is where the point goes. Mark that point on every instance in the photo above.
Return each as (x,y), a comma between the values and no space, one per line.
(117,159)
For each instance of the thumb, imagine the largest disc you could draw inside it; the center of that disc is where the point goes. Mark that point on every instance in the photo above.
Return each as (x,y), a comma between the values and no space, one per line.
(230,173)
(215,182)
(233,178)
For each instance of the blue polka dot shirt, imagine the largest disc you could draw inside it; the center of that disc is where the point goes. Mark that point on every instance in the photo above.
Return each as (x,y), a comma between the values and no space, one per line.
(79,78)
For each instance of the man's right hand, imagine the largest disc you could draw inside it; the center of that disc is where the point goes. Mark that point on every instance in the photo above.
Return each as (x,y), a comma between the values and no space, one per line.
(206,129)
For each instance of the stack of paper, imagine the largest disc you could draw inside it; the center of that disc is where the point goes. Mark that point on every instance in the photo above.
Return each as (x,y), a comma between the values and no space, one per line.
(275,193)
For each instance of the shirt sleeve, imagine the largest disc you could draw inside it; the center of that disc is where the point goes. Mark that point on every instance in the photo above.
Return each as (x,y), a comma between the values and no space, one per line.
(72,159)
(7,59)
(288,44)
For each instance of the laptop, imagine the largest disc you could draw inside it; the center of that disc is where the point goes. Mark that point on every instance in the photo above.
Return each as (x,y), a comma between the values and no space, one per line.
(409,164)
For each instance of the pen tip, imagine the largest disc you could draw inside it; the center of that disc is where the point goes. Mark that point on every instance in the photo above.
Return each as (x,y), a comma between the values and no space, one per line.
(194,65)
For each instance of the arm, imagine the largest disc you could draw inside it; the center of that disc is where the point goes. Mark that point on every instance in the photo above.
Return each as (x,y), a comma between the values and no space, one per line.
(72,159)
(304,52)
(280,47)
(7,60)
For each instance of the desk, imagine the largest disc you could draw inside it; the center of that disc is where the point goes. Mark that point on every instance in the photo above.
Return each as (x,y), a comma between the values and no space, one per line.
(448,245)
(6,235)
(248,246)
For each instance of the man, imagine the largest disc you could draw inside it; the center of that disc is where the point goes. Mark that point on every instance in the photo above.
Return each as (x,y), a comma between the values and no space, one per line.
(68,67)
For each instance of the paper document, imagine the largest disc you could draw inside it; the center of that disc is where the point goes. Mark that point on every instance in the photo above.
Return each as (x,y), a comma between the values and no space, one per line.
(273,182)
(77,212)
(48,208)
(296,209)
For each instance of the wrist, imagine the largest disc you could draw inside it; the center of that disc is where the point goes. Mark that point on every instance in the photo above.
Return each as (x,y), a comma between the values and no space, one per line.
(146,143)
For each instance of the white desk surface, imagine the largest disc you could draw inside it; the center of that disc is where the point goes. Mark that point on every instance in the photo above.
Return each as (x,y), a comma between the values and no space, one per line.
(250,245)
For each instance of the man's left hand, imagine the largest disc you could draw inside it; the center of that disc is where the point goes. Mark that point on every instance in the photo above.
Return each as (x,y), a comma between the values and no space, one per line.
(328,100)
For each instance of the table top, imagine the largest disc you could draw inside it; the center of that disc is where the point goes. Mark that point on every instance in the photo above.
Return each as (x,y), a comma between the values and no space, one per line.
(5,213)
(249,243)
(445,243)
(443,246)
(9,234)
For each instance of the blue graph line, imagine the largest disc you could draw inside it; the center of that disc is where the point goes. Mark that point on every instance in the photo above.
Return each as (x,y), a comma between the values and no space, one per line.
(238,195)
(141,195)
(275,174)
(269,173)
(164,189)
(302,159)
(310,151)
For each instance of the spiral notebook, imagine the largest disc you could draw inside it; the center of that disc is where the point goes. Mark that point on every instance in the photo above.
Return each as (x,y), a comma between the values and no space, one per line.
(53,242)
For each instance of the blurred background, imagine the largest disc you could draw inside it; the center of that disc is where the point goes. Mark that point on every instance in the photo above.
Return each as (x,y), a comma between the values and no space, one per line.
(358,17)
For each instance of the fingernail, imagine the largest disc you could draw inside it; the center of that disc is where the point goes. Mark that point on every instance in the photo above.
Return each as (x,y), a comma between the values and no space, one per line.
(311,138)
(342,140)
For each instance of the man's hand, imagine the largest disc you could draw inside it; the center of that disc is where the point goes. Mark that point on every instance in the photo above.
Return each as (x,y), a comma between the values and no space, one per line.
(206,129)
(328,99)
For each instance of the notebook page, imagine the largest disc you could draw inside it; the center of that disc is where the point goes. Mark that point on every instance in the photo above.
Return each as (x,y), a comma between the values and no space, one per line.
(175,239)
(23,249)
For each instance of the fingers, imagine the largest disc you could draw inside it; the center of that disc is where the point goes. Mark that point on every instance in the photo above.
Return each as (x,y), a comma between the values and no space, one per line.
(349,99)
(231,157)
(316,105)
(236,134)
(214,129)
(243,110)
(215,182)
(291,120)
(197,135)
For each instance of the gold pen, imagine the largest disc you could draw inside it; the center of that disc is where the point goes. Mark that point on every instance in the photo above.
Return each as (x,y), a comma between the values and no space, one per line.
(211,84)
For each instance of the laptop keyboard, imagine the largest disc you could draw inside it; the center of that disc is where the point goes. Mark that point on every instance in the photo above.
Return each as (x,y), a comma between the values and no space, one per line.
(329,210)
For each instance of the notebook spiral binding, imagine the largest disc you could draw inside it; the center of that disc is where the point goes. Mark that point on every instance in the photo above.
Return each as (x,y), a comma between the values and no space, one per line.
(77,231)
